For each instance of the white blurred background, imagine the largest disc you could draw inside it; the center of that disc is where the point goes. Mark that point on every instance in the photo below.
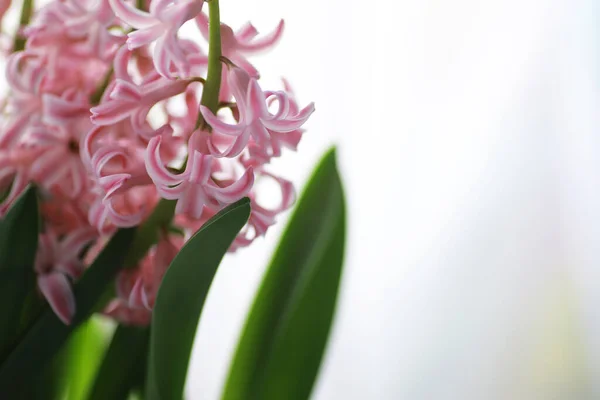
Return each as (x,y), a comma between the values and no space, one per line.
(469,143)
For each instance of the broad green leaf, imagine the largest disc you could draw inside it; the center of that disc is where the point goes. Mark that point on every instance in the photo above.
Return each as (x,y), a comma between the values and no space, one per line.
(283,341)
(18,245)
(123,364)
(84,354)
(180,300)
(47,335)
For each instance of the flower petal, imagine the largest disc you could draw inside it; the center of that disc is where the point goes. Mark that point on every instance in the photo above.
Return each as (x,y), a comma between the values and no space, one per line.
(218,125)
(290,124)
(132,16)
(235,191)
(156,168)
(57,290)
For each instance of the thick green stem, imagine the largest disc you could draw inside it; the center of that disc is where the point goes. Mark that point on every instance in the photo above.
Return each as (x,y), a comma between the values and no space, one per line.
(210,93)
(26,12)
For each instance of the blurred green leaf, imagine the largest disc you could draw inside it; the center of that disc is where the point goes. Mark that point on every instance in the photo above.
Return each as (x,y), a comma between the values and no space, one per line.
(283,341)
(85,352)
(180,300)
(123,364)
(47,335)
(49,384)
(18,245)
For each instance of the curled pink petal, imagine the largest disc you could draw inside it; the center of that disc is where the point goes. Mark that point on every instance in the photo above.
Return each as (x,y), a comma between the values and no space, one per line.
(255,121)
(137,293)
(134,17)
(160,25)
(218,125)
(267,41)
(155,166)
(57,290)
(58,111)
(236,190)
(288,125)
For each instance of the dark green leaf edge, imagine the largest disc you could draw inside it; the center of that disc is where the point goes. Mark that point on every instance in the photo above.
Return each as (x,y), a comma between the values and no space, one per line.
(164,381)
(262,330)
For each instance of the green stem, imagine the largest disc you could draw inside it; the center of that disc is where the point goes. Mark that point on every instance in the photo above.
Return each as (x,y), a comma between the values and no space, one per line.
(26,12)
(148,233)
(97,95)
(210,92)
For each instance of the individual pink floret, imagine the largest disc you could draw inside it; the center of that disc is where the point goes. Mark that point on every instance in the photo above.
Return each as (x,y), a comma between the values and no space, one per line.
(194,188)
(56,262)
(25,75)
(255,119)
(237,46)
(128,100)
(160,26)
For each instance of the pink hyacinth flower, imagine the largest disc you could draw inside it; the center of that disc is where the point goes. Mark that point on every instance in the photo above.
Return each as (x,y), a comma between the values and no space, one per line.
(120,178)
(85,23)
(55,261)
(120,310)
(261,217)
(136,289)
(58,166)
(64,215)
(127,100)
(255,119)
(160,25)
(152,270)
(25,76)
(259,155)
(237,46)
(194,188)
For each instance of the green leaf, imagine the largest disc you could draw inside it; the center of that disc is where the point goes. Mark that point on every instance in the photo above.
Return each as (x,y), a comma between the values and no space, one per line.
(18,245)
(49,384)
(181,297)
(45,338)
(123,364)
(283,341)
(148,233)
(85,352)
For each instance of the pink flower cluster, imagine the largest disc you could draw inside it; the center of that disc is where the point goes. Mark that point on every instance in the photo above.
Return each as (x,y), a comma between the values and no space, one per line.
(102,115)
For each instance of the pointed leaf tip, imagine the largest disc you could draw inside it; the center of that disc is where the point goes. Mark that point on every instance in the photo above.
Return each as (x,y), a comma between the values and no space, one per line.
(181,298)
(280,350)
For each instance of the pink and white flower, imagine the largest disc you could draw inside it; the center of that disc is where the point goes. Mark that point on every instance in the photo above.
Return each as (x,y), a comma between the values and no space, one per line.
(128,100)
(255,119)
(160,26)
(57,263)
(194,188)
(237,46)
